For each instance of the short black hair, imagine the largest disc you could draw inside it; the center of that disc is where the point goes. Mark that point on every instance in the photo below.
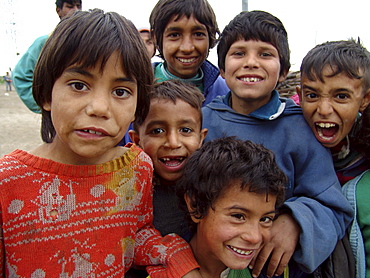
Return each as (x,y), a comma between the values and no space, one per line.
(173,90)
(214,167)
(59,3)
(89,38)
(255,25)
(346,56)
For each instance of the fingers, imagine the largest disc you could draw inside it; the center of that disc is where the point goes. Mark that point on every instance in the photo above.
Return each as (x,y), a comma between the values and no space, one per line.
(260,259)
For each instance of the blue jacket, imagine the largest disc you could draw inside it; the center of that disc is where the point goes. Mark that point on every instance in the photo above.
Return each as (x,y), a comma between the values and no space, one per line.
(314,194)
(23,73)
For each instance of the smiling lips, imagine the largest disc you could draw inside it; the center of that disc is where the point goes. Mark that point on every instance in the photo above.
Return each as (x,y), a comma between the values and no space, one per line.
(242,252)
(326,131)
(187,60)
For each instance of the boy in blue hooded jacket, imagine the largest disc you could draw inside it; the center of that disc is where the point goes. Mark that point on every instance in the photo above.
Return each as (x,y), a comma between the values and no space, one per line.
(253,56)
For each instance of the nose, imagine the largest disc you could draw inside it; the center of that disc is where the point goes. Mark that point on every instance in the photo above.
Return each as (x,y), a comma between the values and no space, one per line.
(172,140)
(187,44)
(250,61)
(99,105)
(325,107)
(252,234)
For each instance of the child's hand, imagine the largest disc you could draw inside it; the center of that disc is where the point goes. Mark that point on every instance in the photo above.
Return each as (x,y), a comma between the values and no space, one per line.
(284,237)
(193,274)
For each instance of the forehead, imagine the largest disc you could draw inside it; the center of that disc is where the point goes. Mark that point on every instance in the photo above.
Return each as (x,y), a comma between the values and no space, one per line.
(177,21)
(234,194)
(341,80)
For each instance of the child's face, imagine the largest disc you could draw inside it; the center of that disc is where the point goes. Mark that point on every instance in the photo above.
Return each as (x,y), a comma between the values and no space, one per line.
(91,111)
(331,108)
(149,44)
(252,70)
(231,234)
(169,135)
(67,7)
(185,46)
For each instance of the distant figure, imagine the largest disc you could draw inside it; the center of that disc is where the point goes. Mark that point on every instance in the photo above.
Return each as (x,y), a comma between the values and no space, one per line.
(23,71)
(8,81)
(148,41)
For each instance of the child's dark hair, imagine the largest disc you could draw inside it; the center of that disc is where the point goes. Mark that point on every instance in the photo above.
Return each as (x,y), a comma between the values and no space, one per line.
(361,139)
(255,25)
(164,10)
(59,3)
(348,57)
(218,164)
(87,39)
(173,90)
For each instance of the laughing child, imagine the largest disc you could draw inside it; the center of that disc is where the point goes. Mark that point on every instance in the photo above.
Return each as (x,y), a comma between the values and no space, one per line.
(253,56)
(335,89)
(232,189)
(83,201)
(169,134)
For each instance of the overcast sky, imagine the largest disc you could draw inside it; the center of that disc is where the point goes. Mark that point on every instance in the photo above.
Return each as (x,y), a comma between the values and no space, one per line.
(307,22)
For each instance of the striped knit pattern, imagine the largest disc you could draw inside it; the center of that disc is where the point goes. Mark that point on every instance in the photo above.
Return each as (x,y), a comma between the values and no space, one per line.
(63,220)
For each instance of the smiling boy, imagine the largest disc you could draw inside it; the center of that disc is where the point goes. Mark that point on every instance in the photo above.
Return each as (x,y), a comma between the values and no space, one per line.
(335,88)
(253,56)
(169,134)
(184,32)
(231,190)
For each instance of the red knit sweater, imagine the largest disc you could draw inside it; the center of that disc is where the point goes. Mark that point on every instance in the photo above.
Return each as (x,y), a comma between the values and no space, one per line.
(60,220)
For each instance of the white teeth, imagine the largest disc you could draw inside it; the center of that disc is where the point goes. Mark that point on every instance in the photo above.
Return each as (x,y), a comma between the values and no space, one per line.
(182,60)
(325,125)
(250,79)
(93,132)
(241,252)
(168,159)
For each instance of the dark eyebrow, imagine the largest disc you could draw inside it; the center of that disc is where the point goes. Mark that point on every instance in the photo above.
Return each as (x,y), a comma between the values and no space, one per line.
(195,28)
(305,87)
(247,210)
(88,74)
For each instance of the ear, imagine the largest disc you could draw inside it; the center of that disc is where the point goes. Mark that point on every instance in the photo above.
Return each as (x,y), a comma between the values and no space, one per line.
(222,73)
(203,134)
(191,209)
(283,76)
(134,137)
(59,11)
(298,90)
(365,101)
(47,106)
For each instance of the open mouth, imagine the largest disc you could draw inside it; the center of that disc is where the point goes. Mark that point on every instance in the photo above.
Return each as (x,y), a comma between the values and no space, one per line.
(172,161)
(326,131)
(92,132)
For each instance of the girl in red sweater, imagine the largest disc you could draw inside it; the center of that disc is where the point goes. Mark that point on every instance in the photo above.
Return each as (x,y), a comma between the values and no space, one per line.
(78,205)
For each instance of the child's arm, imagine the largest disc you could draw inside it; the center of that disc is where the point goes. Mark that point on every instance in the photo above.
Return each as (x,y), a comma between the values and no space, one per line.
(169,256)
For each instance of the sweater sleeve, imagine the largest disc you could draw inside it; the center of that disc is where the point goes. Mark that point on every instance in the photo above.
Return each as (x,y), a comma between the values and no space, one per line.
(23,74)
(168,256)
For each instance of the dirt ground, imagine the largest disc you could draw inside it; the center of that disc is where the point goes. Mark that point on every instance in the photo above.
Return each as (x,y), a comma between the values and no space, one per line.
(20,127)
